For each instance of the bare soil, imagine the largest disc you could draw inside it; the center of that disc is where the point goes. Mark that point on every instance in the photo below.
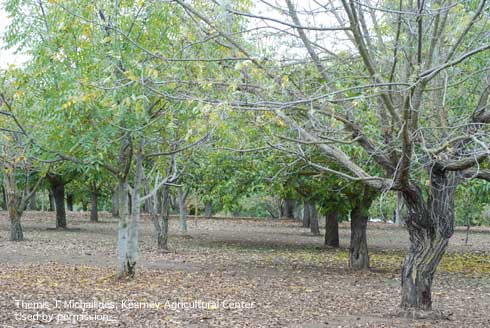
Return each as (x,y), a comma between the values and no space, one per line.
(228,273)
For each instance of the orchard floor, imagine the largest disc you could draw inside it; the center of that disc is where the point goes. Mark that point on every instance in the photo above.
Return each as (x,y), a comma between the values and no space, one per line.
(227,273)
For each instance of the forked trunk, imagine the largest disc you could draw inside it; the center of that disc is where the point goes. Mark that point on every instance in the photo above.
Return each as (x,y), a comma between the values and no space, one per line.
(332,230)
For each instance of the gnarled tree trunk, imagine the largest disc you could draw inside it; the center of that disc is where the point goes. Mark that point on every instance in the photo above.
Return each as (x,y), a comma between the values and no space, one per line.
(430,225)
(332,230)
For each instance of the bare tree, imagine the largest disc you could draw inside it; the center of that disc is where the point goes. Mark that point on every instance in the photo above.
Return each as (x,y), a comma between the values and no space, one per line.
(395,84)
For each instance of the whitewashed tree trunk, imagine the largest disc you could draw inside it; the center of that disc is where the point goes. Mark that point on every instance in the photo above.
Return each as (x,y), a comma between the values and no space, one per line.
(132,255)
(122,235)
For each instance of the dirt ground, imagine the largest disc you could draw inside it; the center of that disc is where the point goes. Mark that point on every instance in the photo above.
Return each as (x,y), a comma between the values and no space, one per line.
(226,273)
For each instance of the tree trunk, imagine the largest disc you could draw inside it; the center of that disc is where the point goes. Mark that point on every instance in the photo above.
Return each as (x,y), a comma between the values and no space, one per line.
(32,202)
(4,198)
(287,210)
(430,225)
(419,268)
(398,209)
(58,189)
(182,210)
(208,210)
(14,204)
(94,213)
(306,214)
(51,201)
(159,211)
(358,251)
(115,206)
(122,234)
(332,230)
(69,201)
(16,233)
(314,227)
(132,249)
(13,201)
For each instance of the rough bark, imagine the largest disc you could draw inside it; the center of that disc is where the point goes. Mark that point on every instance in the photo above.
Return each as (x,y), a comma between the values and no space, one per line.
(58,190)
(183,210)
(94,213)
(430,225)
(358,251)
(69,201)
(208,210)
(13,202)
(332,230)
